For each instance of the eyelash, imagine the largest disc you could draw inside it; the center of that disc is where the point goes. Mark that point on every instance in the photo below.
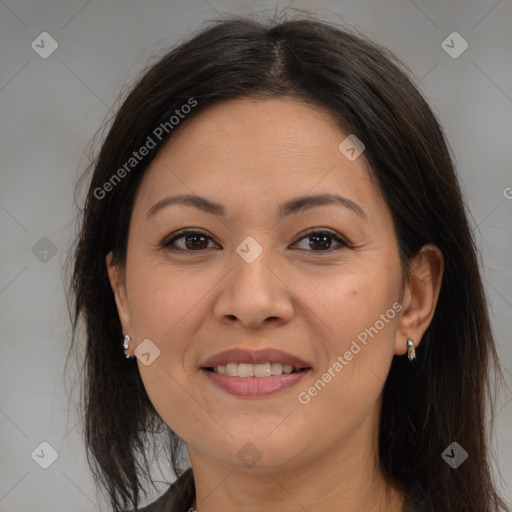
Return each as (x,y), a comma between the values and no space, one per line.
(168,244)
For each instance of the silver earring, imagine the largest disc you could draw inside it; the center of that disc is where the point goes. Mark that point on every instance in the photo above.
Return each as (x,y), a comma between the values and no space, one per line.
(411,352)
(126,344)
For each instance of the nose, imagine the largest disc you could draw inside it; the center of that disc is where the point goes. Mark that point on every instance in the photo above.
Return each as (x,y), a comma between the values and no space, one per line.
(254,294)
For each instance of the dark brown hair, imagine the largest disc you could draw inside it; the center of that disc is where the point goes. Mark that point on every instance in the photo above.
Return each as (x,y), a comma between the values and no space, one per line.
(427,405)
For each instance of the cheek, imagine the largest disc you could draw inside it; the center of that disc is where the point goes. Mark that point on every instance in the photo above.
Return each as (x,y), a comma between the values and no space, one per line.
(353,300)
(361,310)
(165,298)
(173,399)
(168,307)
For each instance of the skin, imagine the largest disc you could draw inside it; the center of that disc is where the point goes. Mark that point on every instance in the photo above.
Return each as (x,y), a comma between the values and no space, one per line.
(251,156)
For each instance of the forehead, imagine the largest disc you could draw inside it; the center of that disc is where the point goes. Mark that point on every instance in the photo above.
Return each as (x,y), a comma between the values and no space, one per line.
(257,151)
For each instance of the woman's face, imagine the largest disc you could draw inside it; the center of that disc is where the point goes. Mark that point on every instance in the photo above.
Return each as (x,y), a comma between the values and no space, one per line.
(257,278)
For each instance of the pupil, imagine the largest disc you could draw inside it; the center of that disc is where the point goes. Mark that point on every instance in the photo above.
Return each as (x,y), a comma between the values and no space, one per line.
(323,239)
(196,244)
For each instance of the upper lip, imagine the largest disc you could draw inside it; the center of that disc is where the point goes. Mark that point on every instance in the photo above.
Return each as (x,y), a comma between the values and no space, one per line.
(240,355)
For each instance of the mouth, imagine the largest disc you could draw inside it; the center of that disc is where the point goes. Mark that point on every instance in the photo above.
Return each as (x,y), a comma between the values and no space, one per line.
(254,374)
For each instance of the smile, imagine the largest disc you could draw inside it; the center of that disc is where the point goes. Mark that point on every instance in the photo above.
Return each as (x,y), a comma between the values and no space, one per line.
(254,374)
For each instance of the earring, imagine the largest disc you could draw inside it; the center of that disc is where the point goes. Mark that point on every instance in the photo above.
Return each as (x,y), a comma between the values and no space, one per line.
(411,352)
(126,343)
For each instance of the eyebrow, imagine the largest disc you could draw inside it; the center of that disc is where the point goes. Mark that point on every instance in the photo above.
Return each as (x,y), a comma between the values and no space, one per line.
(290,207)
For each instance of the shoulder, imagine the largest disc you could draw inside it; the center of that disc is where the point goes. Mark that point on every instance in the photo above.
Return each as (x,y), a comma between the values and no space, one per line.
(181,491)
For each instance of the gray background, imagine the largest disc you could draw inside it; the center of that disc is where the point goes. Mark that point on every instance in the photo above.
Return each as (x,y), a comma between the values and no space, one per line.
(50,109)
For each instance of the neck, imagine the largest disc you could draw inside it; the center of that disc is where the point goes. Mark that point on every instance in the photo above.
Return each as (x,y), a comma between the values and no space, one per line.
(348,479)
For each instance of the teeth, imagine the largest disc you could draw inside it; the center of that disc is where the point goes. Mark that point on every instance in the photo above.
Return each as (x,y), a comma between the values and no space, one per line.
(276,368)
(245,370)
(232,369)
(262,370)
(254,370)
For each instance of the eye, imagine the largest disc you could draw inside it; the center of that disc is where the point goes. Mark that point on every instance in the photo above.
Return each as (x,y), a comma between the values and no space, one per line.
(193,241)
(321,240)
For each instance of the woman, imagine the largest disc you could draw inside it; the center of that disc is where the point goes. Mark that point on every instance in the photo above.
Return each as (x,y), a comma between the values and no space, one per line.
(275,267)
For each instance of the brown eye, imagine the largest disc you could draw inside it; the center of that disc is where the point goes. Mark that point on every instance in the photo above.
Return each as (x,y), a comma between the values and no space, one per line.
(322,241)
(191,241)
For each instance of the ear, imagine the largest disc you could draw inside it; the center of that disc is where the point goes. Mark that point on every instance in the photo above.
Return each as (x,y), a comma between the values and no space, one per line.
(421,292)
(117,282)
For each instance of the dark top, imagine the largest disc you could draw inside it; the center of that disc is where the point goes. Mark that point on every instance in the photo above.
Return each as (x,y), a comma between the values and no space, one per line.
(179,489)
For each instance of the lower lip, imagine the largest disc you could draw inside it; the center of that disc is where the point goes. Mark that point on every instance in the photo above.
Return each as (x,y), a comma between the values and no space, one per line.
(254,386)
